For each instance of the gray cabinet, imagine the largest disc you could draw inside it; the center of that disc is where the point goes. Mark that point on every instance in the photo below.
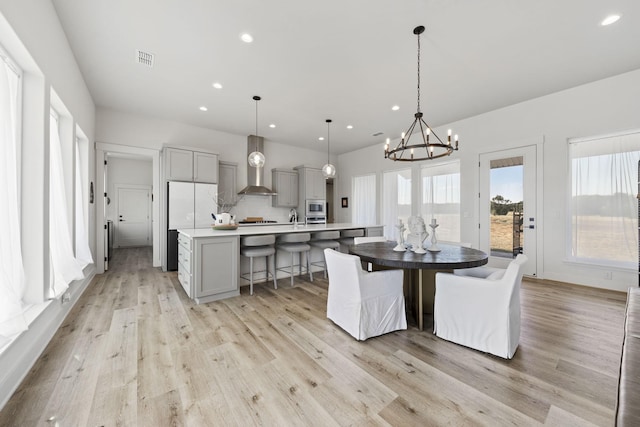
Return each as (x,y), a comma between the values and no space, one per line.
(208,267)
(192,166)
(228,182)
(217,262)
(205,167)
(312,184)
(285,183)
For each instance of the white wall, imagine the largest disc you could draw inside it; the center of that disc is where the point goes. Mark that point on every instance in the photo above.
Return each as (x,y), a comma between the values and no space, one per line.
(602,107)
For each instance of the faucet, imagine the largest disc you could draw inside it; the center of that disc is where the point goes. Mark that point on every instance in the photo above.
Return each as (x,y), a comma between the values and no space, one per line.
(293,216)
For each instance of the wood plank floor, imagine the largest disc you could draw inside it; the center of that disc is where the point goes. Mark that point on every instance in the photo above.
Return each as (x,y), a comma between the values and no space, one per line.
(135,351)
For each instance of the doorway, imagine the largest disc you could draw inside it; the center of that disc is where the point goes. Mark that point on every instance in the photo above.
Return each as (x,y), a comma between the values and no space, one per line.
(508,206)
(133,216)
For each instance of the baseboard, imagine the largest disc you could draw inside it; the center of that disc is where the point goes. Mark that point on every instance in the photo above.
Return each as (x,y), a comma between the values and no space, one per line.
(24,351)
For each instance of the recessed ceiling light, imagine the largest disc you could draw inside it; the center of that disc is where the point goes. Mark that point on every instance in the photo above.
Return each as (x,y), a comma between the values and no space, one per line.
(203,108)
(395,108)
(272,125)
(610,20)
(246,37)
(321,138)
(217,85)
(349,127)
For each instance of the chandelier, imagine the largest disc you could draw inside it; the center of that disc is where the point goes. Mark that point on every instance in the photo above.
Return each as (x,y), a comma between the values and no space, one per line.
(328,170)
(431,146)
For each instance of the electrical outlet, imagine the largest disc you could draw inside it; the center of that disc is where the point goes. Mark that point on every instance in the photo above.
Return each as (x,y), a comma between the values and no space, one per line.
(66,297)
(608,275)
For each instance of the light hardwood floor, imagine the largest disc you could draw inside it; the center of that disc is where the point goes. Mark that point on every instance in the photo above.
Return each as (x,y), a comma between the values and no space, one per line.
(136,351)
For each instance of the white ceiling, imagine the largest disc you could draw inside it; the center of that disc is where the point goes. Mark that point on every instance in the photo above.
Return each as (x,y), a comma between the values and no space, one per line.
(349,61)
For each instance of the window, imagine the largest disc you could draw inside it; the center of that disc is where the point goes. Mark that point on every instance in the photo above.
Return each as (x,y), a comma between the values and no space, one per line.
(603,205)
(12,282)
(64,266)
(441,199)
(364,200)
(396,200)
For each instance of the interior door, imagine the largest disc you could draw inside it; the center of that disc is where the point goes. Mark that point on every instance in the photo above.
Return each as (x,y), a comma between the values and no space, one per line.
(133,220)
(508,192)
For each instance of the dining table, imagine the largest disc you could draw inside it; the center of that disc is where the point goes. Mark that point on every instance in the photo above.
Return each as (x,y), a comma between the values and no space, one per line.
(449,257)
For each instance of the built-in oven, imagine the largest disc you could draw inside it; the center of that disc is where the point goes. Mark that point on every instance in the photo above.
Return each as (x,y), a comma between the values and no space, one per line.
(315,208)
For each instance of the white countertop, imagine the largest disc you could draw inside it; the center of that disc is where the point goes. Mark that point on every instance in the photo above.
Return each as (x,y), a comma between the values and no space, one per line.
(269,229)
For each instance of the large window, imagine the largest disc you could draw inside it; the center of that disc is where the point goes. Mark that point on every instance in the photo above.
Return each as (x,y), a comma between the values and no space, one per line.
(364,200)
(603,205)
(64,266)
(441,198)
(11,268)
(396,200)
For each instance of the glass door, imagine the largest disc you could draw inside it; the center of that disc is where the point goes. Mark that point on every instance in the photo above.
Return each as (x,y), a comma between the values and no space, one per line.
(508,206)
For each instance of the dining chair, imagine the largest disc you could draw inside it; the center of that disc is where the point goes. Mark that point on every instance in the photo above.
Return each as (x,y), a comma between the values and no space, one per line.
(364,304)
(482,313)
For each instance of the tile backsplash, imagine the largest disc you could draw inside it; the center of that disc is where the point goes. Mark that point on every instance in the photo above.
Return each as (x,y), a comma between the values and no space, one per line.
(260,206)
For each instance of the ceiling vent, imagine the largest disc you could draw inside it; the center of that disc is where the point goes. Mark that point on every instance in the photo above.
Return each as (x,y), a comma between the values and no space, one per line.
(144,58)
(378,133)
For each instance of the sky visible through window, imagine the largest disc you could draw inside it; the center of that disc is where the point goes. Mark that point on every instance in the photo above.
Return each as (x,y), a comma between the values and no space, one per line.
(507,182)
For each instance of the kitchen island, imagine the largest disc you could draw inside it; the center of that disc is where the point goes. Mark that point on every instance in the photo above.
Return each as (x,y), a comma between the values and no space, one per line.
(209,262)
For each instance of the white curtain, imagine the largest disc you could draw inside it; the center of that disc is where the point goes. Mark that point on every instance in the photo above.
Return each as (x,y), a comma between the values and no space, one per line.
(12,279)
(441,199)
(83,252)
(604,208)
(65,268)
(396,200)
(364,200)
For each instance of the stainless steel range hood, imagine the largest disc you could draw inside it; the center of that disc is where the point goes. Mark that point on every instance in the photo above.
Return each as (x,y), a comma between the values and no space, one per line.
(255,176)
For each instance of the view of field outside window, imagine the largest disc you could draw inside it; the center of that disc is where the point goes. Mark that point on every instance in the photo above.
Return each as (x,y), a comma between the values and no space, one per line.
(506,189)
(604,207)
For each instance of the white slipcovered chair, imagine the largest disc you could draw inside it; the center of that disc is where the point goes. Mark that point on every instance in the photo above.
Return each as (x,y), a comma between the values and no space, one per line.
(363,304)
(480,310)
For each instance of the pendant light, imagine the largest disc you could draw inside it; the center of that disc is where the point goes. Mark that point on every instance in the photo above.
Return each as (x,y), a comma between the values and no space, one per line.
(428,148)
(328,170)
(256,159)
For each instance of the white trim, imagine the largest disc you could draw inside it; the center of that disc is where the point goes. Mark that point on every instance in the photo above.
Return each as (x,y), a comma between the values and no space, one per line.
(604,136)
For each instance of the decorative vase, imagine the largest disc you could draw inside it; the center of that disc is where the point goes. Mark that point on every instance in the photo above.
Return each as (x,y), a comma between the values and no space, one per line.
(434,240)
(400,247)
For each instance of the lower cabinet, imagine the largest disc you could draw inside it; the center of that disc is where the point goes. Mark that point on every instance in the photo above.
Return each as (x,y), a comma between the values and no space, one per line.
(214,266)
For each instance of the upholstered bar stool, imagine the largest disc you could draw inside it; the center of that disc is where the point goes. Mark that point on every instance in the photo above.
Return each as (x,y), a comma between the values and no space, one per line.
(295,243)
(324,240)
(259,246)
(346,238)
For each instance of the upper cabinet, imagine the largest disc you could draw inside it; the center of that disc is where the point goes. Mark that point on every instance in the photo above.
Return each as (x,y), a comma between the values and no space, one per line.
(187,165)
(312,184)
(285,183)
(228,183)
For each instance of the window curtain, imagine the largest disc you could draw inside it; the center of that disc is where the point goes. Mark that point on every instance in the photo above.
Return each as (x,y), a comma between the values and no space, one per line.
(441,199)
(65,268)
(83,252)
(364,200)
(12,280)
(396,200)
(604,208)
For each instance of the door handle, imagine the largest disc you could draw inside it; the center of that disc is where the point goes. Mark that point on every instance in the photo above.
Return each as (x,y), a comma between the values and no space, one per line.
(121,219)
(531,227)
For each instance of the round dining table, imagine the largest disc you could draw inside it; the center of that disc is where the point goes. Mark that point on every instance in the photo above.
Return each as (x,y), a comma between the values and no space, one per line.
(448,258)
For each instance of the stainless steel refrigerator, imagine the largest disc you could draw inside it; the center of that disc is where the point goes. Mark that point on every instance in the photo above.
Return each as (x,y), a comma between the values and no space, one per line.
(190,205)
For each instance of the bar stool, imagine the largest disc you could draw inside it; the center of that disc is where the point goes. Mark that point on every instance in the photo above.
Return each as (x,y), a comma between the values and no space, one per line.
(346,238)
(324,240)
(259,246)
(295,243)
